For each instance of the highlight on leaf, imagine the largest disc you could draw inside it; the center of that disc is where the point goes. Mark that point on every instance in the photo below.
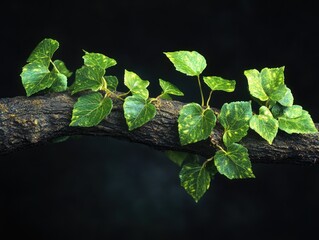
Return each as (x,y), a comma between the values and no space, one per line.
(136,85)
(195,123)
(190,63)
(234,163)
(90,110)
(218,83)
(98,60)
(91,75)
(267,85)
(264,124)
(234,117)
(36,75)
(195,178)
(138,111)
(169,88)
(44,51)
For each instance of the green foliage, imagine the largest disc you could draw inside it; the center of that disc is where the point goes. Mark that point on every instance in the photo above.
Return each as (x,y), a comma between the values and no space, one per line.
(88,78)
(264,124)
(277,101)
(136,85)
(177,157)
(111,82)
(288,99)
(195,122)
(267,85)
(90,110)
(36,75)
(189,63)
(43,53)
(169,88)
(234,162)
(301,124)
(138,111)
(195,178)
(62,68)
(221,84)
(91,75)
(234,117)
(98,60)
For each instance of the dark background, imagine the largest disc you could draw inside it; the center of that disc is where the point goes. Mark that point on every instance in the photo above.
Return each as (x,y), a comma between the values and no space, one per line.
(101,188)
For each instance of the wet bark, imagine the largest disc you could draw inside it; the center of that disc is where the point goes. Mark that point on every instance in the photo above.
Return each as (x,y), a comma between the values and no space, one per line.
(27,122)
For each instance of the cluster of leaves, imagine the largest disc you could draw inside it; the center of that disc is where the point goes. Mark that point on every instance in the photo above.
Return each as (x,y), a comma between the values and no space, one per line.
(96,89)
(196,121)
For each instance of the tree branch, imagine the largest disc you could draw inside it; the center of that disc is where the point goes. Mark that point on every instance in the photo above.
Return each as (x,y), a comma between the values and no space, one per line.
(27,122)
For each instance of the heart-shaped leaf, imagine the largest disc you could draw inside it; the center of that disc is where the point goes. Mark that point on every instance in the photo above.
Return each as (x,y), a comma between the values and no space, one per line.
(190,63)
(43,52)
(234,163)
(169,88)
(98,60)
(302,124)
(195,123)
(264,124)
(88,78)
(221,84)
(195,179)
(138,111)
(90,110)
(136,85)
(234,117)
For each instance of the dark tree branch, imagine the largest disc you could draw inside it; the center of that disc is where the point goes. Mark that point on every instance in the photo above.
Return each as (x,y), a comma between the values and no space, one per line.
(26,122)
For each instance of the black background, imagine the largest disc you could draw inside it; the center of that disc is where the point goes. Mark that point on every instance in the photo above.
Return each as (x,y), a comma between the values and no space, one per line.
(100,188)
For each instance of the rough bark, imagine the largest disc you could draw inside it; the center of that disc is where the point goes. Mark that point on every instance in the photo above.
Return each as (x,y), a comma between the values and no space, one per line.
(26,122)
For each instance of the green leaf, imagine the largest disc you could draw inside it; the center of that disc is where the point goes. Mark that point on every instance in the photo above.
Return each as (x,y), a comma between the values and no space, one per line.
(60,83)
(88,78)
(268,84)
(169,88)
(189,63)
(35,77)
(254,84)
(272,80)
(234,163)
(166,96)
(221,84)
(195,123)
(293,111)
(136,85)
(43,52)
(62,68)
(301,124)
(265,124)
(288,99)
(234,117)
(90,110)
(277,110)
(138,111)
(195,179)
(112,82)
(98,60)
(176,157)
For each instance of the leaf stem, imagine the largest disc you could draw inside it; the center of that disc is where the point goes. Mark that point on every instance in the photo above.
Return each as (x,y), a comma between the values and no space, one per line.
(222,149)
(55,68)
(124,94)
(110,93)
(201,90)
(104,84)
(209,97)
